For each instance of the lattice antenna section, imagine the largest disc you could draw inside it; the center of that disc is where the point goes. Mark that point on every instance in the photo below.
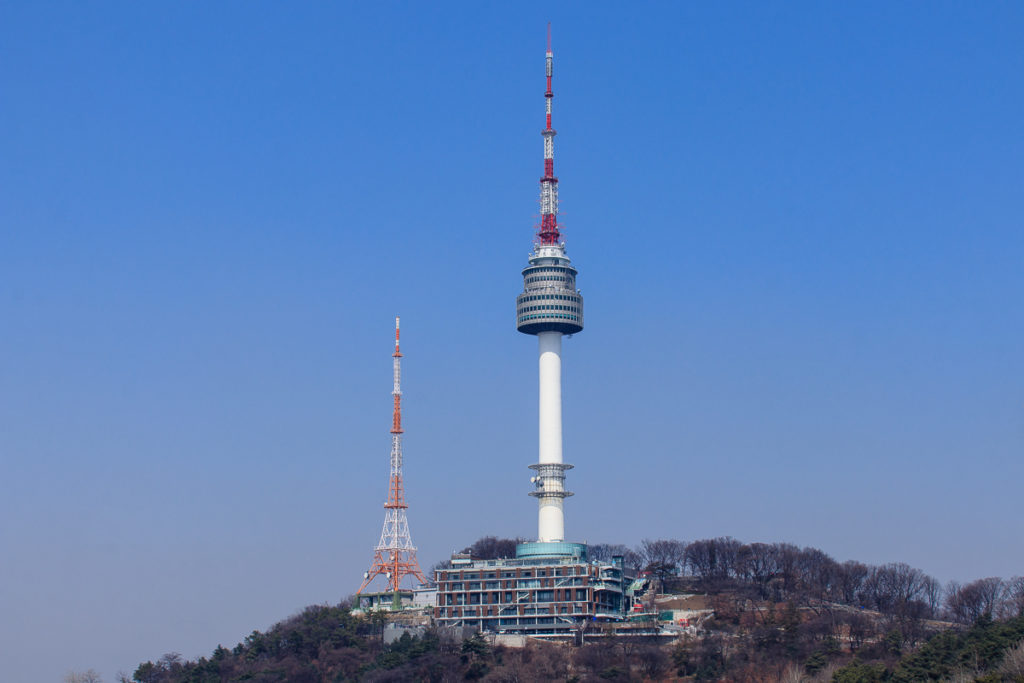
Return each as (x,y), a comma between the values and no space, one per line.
(395,556)
(549,232)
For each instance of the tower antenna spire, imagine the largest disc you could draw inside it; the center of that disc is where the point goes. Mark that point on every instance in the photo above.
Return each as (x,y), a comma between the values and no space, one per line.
(395,555)
(548,233)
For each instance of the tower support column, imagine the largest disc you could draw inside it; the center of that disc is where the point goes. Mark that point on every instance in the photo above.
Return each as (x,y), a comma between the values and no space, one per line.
(550,518)
(550,431)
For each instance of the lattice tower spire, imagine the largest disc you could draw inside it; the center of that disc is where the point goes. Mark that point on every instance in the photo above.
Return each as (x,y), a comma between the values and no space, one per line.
(549,233)
(395,555)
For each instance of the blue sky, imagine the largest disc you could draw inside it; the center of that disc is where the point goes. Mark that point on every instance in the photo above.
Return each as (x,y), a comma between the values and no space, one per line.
(798,230)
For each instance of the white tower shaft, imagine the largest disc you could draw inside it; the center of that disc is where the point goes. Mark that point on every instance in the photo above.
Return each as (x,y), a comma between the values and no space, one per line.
(551,520)
(550,404)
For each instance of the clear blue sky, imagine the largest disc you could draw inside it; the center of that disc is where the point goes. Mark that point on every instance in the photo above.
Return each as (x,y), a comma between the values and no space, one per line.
(799,235)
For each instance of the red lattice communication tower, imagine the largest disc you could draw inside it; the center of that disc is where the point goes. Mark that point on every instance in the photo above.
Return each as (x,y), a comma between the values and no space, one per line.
(395,555)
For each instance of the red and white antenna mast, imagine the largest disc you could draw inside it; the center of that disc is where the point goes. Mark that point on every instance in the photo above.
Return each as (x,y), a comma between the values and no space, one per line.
(395,555)
(549,233)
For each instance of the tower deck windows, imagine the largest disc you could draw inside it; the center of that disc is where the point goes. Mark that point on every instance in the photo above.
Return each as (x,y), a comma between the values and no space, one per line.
(549,302)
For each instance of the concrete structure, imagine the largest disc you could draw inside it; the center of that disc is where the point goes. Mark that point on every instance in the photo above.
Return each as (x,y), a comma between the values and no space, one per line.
(425,597)
(550,588)
(549,307)
(403,599)
(384,600)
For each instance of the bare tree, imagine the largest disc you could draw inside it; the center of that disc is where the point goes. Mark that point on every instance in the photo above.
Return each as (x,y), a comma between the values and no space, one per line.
(932,596)
(759,564)
(896,588)
(728,550)
(653,661)
(700,558)
(817,572)
(663,556)
(1013,598)
(89,676)
(714,558)
(492,548)
(604,552)
(968,603)
(595,657)
(850,577)
(789,556)
(860,628)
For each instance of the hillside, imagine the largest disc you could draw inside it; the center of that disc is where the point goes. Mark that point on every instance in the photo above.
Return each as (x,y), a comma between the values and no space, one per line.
(770,612)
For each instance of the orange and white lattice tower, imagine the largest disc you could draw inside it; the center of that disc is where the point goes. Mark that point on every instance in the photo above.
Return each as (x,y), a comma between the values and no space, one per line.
(395,555)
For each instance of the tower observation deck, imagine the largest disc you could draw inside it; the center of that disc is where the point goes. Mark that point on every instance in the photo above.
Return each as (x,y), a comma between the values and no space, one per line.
(549,307)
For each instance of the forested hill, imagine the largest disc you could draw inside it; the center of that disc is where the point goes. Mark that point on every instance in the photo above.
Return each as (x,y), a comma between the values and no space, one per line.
(781,613)
(329,644)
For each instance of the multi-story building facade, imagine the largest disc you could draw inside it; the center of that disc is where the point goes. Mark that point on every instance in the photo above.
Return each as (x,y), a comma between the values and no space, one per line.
(536,593)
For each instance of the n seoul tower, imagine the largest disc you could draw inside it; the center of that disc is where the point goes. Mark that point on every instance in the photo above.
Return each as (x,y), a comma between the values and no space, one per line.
(549,307)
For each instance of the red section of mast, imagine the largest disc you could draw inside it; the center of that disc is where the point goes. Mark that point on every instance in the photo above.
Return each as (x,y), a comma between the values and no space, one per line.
(549,233)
